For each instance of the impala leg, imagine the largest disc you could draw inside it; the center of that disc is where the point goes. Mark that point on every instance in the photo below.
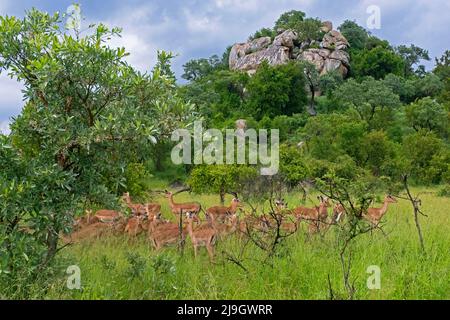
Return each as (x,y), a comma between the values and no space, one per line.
(195,251)
(210,249)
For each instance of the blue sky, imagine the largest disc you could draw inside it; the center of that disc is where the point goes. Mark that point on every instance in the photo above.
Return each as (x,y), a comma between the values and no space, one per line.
(200,28)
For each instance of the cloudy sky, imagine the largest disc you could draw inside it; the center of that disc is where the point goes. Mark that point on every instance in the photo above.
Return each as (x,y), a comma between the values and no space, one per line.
(200,28)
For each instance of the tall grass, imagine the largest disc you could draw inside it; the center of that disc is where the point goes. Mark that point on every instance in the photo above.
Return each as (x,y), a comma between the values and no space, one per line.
(122,268)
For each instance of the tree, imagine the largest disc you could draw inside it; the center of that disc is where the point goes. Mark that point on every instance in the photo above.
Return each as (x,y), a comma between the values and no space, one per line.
(264,32)
(377,63)
(355,196)
(309,30)
(356,35)
(405,89)
(442,70)
(289,20)
(428,114)
(219,179)
(293,168)
(313,81)
(89,115)
(419,149)
(278,90)
(411,56)
(367,96)
(197,69)
(329,81)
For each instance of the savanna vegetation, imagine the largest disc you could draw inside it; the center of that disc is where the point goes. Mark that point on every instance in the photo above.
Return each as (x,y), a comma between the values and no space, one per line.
(93,128)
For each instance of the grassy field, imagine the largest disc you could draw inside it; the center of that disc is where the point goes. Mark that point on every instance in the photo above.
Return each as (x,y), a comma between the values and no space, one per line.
(120,268)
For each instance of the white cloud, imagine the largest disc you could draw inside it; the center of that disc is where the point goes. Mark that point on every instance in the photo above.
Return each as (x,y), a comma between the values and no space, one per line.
(141,36)
(4,127)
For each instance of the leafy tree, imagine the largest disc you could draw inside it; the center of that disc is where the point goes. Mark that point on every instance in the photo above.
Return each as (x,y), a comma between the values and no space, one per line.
(197,69)
(356,35)
(219,179)
(429,85)
(377,63)
(309,30)
(289,20)
(405,89)
(411,56)
(420,149)
(89,115)
(313,82)
(276,91)
(292,165)
(375,42)
(442,70)
(378,153)
(218,96)
(329,81)
(264,32)
(428,114)
(367,96)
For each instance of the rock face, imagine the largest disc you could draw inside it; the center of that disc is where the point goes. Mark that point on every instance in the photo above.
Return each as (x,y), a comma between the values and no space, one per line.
(329,54)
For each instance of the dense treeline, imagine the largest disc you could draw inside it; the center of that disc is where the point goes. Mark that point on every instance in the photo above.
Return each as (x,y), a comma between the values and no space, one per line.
(388,112)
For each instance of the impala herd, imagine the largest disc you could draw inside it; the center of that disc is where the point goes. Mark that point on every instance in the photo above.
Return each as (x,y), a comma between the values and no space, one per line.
(220,221)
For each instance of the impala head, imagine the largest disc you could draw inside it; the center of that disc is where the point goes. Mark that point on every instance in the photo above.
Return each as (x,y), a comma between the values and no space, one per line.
(324,200)
(168,193)
(236,202)
(126,197)
(390,199)
(190,216)
(281,204)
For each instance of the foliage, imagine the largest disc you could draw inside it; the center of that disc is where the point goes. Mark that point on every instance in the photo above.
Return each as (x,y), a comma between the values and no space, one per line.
(89,114)
(292,165)
(442,70)
(289,20)
(197,69)
(276,91)
(219,179)
(423,149)
(367,96)
(356,35)
(377,63)
(411,56)
(264,32)
(428,114)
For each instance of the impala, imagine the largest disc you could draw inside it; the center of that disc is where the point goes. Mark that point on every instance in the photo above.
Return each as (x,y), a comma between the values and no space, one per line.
(375,215)
(220,213)
(135,226)
(94,230)
(224,230)
(338,213)
(141,209)
(106,216)
(163,233)
(317,213)
(250,222)
(179,208)
(202,236)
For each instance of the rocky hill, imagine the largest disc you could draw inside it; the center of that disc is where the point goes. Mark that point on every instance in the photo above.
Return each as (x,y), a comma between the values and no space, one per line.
(327,55)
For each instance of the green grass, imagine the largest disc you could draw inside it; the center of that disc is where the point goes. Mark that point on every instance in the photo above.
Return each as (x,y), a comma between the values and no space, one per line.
(120,268)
